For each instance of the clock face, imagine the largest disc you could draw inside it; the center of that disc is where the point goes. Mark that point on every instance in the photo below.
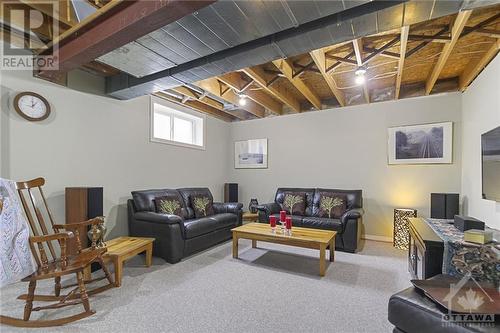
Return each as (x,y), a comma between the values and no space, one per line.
(32,106)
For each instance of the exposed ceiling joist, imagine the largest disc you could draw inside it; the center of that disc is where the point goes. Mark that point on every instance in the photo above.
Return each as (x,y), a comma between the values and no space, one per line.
(213,86)
(319,59)
(198,106)
(474,67)
(258,75)
(199,97)
(235,81)
(404,40)
(286,67)
(357,44)
(456,31)
(113,26)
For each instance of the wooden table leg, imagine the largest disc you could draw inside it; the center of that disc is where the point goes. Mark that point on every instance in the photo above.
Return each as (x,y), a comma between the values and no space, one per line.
(118,271)
(235,246)
(149,255)
(254,243)
(322,259)
(332,250)
(87,274)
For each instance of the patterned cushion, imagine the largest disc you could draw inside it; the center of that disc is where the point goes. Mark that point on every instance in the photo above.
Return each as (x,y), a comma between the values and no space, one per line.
(202,206)
(294,203)
(169,204)
(332,205)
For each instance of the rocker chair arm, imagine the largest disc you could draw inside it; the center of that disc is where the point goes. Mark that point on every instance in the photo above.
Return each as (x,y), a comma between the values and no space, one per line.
(51,237)
(73,226)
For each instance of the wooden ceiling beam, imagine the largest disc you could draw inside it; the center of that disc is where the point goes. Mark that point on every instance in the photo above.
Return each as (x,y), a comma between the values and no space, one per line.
(456,31)
(475,67)
(404,40)
(235,81)
(357,45)
(213,86)
(199,97)
(258,75)
(198,106)
(286,67)
(113,26)
(319,59)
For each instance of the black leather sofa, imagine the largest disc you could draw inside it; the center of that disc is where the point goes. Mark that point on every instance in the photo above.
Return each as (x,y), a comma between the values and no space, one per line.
(177,237)
(348,226)
(410,311)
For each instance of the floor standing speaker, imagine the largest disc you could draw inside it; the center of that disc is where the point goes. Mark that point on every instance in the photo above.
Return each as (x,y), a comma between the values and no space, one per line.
(444,205)
(82,204)
(230,192)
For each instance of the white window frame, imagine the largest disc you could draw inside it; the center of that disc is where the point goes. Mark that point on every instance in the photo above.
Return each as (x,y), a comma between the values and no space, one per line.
(177,109)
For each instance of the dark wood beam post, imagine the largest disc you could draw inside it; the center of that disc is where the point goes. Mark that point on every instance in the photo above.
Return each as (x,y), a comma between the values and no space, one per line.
(113,26)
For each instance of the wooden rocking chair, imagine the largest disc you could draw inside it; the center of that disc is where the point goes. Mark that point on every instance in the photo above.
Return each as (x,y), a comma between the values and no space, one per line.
(50,266)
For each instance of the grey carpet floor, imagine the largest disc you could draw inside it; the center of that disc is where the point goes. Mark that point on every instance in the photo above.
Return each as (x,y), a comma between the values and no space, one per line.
(269,289)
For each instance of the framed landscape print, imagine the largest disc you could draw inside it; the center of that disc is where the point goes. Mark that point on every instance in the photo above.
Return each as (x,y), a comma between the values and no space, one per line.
(250,154)
(421,144)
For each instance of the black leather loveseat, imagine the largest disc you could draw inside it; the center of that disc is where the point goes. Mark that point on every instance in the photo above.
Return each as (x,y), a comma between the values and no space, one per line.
(179,236)
(348,225)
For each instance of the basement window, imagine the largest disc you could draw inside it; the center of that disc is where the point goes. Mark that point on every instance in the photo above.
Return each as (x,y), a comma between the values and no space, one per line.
(177,125)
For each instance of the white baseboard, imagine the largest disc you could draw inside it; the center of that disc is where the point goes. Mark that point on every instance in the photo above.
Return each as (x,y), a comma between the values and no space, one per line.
(378,238)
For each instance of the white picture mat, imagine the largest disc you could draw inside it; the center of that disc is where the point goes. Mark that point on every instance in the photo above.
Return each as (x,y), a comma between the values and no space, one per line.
(447,144)
(250,154)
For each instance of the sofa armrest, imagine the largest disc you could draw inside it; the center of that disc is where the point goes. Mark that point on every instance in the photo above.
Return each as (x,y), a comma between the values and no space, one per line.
(158,218)
(352,214)
(227,207)
(266,210)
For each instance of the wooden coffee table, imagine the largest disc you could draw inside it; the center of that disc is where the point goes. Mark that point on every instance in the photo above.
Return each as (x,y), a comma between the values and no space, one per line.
(121,249)
(301,237)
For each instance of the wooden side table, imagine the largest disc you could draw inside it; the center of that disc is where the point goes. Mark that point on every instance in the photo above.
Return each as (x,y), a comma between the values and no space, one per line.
(250,217)
(121,249)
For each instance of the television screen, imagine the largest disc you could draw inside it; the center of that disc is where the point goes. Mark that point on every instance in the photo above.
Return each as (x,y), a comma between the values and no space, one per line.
(490,143)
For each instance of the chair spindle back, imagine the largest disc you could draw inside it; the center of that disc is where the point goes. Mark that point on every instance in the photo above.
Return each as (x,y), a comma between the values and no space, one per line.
(27,193)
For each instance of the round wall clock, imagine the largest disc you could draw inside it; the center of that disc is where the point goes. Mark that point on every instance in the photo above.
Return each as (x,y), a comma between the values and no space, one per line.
(31,106)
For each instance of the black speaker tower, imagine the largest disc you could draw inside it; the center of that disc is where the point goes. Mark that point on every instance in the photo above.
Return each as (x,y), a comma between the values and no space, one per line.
(444,205)
(230,192)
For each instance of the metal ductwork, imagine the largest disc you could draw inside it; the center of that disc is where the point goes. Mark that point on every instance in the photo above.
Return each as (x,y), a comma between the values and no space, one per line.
(294,28)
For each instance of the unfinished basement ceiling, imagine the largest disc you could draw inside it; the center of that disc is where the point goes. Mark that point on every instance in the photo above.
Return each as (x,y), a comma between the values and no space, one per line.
(339,21)
(222,25)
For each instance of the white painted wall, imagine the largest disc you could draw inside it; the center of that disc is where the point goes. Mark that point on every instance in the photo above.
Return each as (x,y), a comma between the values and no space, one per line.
(481,113)
(91,140)
(347,148)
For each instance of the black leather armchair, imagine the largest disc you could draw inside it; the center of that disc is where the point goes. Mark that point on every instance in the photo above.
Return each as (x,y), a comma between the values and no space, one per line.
(348,227)
(178,237)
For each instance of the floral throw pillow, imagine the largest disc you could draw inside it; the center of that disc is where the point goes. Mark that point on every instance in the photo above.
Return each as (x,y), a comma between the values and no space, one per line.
(332,205)
(294,203)
(169,205)
(202,206)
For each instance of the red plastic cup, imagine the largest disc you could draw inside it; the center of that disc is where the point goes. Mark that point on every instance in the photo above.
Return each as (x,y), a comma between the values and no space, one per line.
(272,221)
(282,216)
(288,223)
